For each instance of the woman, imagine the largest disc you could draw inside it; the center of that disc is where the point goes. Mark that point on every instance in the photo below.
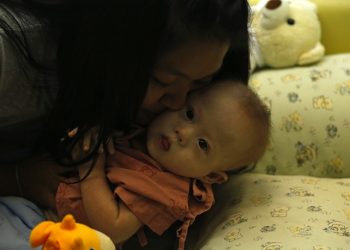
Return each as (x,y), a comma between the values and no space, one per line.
(107,65)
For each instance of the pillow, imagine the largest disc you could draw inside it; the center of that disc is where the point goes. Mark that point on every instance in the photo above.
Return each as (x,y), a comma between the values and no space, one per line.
(258,211)
(310,118)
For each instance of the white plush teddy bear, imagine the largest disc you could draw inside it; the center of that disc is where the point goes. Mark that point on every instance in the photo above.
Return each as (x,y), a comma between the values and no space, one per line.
(285,33)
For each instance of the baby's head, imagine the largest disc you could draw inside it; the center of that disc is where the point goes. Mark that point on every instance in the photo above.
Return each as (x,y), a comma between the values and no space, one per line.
(222,127)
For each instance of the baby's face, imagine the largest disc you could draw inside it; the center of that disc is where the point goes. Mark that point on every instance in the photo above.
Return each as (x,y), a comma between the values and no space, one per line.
(211,133)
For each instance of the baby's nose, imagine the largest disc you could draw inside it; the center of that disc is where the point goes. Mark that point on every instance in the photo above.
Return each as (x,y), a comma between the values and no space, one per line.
(183,134)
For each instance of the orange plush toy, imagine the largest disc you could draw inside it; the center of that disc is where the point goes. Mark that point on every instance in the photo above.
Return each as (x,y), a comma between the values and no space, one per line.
(68,235)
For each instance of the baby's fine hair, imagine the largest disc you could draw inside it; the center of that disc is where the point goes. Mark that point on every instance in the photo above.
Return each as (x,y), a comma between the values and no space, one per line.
(256,110)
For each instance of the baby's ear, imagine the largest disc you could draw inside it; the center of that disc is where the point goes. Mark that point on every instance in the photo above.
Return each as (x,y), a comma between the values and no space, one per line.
(215,177)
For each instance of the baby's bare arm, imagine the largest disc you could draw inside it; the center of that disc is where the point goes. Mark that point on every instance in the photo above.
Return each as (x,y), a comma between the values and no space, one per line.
(104,212)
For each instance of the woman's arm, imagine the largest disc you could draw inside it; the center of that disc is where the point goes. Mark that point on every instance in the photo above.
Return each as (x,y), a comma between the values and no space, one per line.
(8,183)
(104,212)
(35,179)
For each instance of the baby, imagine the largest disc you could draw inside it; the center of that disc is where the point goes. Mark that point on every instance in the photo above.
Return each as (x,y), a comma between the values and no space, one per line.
(222,127)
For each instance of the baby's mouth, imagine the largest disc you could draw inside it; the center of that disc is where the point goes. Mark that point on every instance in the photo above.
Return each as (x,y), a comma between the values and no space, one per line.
(165,143)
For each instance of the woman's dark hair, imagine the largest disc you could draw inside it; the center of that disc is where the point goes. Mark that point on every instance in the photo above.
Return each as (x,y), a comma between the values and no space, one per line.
(107,50)
(216,20)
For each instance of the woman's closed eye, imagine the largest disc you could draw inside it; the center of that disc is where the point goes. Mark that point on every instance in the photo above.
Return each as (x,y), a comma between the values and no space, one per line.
(159,82)
(203,144)
(204,81)
(189,113)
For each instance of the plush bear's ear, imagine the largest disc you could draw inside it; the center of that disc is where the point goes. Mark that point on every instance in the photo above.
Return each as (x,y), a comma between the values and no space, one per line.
(257,7)
(40,233)
(215,177)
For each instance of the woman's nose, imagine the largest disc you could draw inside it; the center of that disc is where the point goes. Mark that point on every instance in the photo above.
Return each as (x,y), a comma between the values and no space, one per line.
(175,98)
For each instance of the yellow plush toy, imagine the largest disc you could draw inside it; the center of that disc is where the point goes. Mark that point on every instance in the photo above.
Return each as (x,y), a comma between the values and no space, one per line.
(285,33)
(68,235)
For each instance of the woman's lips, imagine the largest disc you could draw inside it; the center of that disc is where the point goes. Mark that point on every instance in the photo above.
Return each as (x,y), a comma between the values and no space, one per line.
(164,143)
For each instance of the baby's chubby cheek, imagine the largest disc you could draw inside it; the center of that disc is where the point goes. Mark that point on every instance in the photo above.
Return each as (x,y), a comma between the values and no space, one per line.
(152,147)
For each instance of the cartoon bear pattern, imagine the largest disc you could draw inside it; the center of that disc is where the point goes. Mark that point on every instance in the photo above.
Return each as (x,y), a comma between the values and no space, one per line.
(265,212)
(310,118)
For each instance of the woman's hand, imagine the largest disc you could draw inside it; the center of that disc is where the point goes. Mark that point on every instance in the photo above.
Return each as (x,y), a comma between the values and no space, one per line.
(40,175)
(87,143)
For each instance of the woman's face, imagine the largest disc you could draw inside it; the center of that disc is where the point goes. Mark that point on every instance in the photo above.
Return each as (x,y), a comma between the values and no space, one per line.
(179,71)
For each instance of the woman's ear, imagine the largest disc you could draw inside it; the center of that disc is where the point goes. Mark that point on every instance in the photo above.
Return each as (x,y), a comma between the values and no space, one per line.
(215,177)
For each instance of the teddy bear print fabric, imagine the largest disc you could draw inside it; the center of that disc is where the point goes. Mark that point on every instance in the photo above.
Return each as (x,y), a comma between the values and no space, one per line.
(266,212)
(310,118)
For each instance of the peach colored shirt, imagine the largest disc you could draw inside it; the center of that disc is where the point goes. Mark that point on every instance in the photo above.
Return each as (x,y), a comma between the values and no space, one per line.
(157,198)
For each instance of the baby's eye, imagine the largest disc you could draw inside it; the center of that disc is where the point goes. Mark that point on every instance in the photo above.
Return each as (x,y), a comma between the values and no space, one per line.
(203,144)
(189,113)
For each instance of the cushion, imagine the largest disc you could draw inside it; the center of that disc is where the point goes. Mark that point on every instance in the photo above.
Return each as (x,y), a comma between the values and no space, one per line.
(258,211)
(310,118)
